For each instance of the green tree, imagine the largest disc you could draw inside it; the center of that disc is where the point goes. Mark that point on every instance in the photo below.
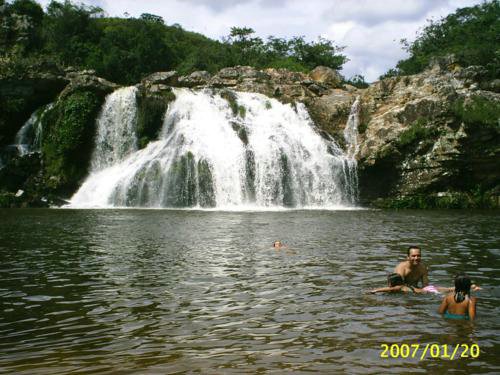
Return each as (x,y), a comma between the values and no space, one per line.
(472,34)
(69,33)
(246,49)
(20,25)
(151,18)
(358,81)
(322,52)
(128,49)
(295,54)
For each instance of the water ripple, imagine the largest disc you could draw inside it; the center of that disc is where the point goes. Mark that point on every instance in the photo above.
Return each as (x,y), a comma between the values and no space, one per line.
(186,291)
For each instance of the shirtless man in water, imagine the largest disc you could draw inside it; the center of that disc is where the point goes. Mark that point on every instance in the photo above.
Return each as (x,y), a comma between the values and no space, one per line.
(412,269)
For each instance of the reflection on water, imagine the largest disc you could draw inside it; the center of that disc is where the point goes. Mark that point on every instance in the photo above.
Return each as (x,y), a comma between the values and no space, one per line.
(187,291)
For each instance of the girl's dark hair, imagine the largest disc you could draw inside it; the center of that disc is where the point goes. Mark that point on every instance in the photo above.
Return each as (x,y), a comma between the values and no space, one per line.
(462,287)
(394,279)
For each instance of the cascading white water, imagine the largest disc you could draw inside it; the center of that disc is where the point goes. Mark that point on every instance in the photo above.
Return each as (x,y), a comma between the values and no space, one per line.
(265,155)
(116,123)
(352,149)
(351,130)
(28,138)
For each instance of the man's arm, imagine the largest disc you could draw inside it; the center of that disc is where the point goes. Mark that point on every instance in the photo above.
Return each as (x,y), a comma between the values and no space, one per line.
(389,289)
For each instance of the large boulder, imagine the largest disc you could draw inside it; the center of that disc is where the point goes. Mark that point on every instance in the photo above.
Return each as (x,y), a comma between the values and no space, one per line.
(164,78)
(86,80)
(198,78)
(238,75)
(327,76)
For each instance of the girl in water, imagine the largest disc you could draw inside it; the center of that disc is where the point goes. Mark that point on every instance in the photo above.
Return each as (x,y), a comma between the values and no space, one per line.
(459,305)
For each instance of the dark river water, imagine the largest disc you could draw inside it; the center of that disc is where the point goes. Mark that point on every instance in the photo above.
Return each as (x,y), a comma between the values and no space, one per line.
(159,291)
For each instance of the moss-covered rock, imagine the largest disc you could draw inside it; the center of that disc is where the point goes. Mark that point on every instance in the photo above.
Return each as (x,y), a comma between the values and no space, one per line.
(286,182)
(67,142)
(478,109)
(240,132)
(25,85)
(205,185)
(232,100)
(151,108)
(420,130)
(250,176)
(189,183)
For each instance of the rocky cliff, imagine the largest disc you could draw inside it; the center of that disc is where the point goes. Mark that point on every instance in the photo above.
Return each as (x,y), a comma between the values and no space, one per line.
(428,140)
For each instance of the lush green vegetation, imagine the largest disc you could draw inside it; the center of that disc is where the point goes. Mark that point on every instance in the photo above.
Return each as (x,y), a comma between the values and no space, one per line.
(417,131)
(358,81)
(124,50)
(477,110)
(67,139)
(472,34)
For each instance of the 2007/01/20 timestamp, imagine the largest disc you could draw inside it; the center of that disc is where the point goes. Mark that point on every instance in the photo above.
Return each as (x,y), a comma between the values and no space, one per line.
(422,351)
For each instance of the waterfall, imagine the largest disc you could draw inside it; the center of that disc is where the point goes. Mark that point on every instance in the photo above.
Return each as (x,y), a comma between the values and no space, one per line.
(248,151)
(116,137)
(352,149)
(351,130)
(29,137)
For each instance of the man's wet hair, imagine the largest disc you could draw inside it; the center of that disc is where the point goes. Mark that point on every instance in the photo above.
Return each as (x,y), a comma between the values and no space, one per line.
(413,247)
(394,279)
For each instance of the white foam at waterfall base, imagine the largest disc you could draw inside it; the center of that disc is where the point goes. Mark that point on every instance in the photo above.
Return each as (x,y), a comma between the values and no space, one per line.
(266,156)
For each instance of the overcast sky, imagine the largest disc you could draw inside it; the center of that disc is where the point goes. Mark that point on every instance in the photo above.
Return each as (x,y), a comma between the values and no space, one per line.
(371,30)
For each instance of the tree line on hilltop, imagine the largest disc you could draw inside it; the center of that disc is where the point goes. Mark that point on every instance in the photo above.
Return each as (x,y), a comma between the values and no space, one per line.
(126,49)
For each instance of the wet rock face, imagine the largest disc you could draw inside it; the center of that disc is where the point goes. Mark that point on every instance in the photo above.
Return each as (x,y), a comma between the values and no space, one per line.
(22,91)
(421,133)
(152,103)
(331,111)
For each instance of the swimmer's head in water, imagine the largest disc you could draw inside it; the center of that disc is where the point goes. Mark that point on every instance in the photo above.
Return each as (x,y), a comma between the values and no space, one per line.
(462,287)
(394,279)
(277,244)
(414,255)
